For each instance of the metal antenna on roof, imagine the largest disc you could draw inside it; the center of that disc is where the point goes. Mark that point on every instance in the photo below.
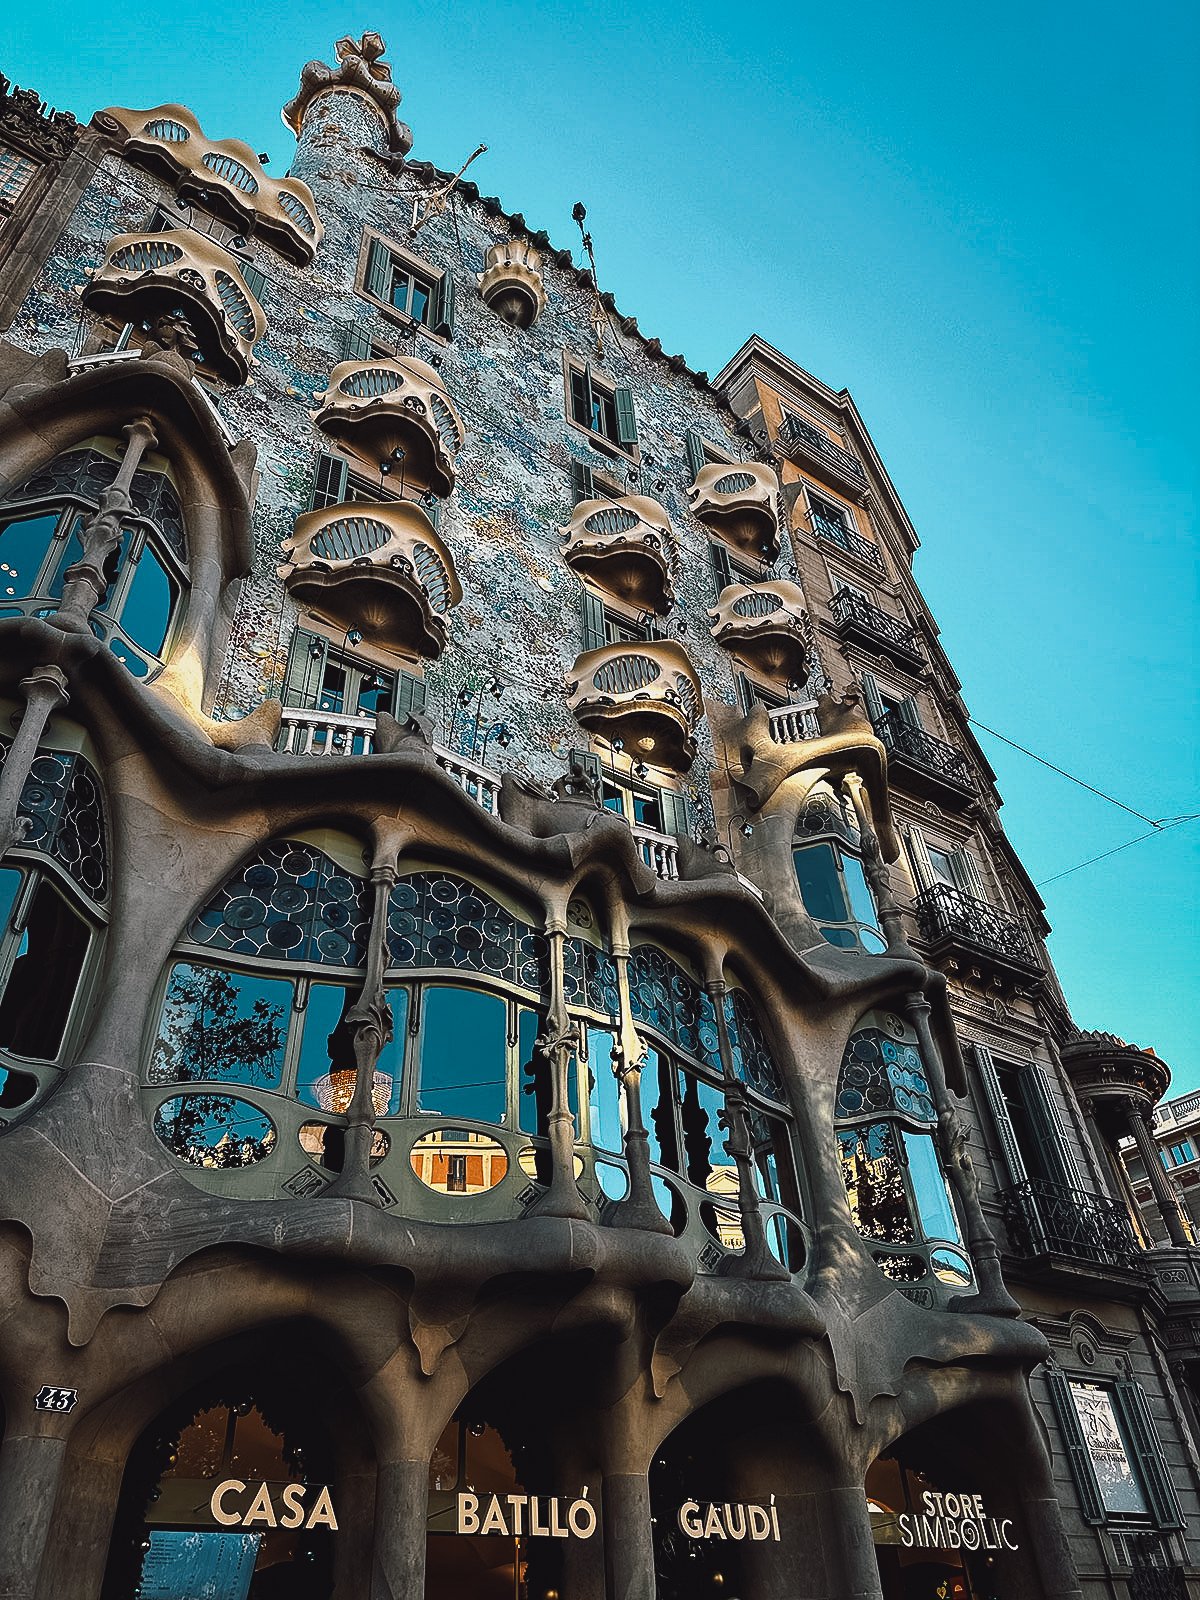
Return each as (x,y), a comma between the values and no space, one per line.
(435,204)
(599,314)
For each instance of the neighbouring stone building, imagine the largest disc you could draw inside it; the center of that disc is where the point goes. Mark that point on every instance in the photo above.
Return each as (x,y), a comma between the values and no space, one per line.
(528,1065)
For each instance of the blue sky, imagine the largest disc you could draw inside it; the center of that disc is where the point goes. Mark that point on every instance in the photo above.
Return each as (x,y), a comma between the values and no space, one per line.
(982,222)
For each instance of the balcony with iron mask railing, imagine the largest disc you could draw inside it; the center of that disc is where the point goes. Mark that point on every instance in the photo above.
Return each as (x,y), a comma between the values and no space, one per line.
(956,925)
(924,764)
(807,445)
(1052,1219)
(857,618)
(646,695)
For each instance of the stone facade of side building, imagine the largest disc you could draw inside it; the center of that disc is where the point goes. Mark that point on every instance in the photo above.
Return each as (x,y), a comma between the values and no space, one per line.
(528,1064)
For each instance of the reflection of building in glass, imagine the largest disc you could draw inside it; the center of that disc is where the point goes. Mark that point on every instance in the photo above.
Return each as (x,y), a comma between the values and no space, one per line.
(512,983)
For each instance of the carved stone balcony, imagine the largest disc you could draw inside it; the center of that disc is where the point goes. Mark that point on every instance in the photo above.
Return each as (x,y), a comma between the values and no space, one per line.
(1103,1068)
(645,695)
(794,724)
(511,284)
(181,278)
(856,618)
(923,764)
(378,568)
(809,446)
(1050,1219)
(223,176)
(395,411)
(956,925)
(738,502)
(626,546)
(765,624)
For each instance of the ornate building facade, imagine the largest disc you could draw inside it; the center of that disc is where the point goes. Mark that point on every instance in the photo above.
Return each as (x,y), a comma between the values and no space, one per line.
(528,1065)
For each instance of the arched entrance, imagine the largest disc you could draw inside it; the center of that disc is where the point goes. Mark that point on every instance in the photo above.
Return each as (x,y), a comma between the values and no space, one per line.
(229,1492)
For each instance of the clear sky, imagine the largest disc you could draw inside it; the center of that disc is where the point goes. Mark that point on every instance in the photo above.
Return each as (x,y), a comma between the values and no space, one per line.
(981,220)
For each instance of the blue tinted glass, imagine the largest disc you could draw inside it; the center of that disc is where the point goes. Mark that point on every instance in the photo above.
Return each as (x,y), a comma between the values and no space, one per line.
(658,1110)
(326,1073)
(10,882)
(23,547)
(604,1095)
(214,1130)
(375,692)
(220,1026)
(820,883)
(419,308)
(72,553)
(41,987)
(613,1180)
(707,1162)
(929,1188)
(841,937)
(463,1054)
(146,612)
(533,1098)
(128,657)
(862,905)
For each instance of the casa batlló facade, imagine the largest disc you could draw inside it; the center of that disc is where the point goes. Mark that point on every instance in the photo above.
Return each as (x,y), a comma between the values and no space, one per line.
(528,1065)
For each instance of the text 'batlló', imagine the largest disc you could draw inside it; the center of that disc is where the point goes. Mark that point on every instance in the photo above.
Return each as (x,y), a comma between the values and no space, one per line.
(532,1515)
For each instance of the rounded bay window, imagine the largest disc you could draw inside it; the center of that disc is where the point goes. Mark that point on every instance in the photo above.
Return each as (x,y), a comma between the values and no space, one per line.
(899,1197)
(829,871)
(40,528)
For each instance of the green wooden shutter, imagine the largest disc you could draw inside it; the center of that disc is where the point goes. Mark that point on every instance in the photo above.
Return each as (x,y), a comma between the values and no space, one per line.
(593,621)
(871,697)
(1091,1504)
(587,762)
(581,481)
(721,565)
(442,319)
(989,1078)
(433,510)
(626,417)
(410,696)
(329,485)
(693,444)
(908,712)
(254,278)
(378,278)
(674,811)
(305,670)
(356,345)
(918,857)
(744,693)
(1134,1411)
(1057,1155)
(966,875)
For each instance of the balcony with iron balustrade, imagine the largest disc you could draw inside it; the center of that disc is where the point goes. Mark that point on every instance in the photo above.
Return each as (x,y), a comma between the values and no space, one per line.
(1046,1220)
(956,925)
(224,176)
(767,626)
(378,568)
(806,445)
(848,540)
(855,617)
(626,547)
(645,695)
(923,764)
(181,276)
(738,502)
(395,411)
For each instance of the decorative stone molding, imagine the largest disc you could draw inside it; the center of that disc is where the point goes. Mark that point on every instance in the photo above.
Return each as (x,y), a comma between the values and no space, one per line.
(27,122)
(767,625)
(1101,1066)
(645,695)
(626,546)
(181,276)
(378,568)
(738,501)
(224,176)
(384,407)
(360,71)
(511,284)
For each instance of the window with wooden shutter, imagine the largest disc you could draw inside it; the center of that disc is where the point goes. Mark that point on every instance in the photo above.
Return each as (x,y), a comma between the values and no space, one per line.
(721,565)
(1151,1463)
(595,635)
(356,345)
(329,485)
(1070,1430)
(1038,1094)
(965,872)
(254,278)
(378,277)
(674,811)
(442,317)
(410,696)
(587,762)
(433,510)
(626,416)
(993,1093)
(305,670)
(581,481)
(872,698)
(693,446)
(918,857)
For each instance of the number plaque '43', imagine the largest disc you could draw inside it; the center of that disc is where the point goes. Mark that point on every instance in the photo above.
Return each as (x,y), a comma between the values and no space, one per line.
(51,1398)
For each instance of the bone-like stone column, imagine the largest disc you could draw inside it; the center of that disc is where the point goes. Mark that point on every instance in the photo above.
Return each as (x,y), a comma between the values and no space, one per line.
(30,1469)
(370,1019)
(556,1044)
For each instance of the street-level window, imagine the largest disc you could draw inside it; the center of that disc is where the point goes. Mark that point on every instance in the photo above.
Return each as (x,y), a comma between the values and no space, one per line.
(1115,1453)
(1120,1488)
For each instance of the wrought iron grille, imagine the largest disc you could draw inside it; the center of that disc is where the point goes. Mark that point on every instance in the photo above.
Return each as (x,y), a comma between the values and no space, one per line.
(1045,1218)
(85,474)
(905,740)
(1154,1575)
(63,814)
(837,532)
(946,913)
(848,607)
(795,430)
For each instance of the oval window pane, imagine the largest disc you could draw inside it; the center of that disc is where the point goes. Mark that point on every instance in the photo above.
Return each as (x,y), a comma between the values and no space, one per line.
(228,1027)
(16,1088)
(950,1267)
(214,1130)
(613,1180)
(325,1142)
(459,1161)
(725,1225)
(536,1162)
(671,1203)
(901,1269)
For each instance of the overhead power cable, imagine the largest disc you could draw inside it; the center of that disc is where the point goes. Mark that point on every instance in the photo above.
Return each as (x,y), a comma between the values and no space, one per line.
(1158,828)
(1159,822)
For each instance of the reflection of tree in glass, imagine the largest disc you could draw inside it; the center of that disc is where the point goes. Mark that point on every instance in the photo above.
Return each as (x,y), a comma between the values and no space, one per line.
(204,1130)
(875,1184)
(203,1033)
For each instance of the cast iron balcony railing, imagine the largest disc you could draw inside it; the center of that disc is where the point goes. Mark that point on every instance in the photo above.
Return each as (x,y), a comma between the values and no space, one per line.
(1052,1219)
(856,617)
(929,763)
(846,538)
(949,919)
(801,440)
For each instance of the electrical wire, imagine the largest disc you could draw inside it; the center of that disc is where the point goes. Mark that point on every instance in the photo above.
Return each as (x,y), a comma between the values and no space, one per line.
(1154,822)
(1158,828)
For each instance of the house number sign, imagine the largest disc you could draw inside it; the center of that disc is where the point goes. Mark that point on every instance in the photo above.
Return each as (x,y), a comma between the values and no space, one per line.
(51,1398)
